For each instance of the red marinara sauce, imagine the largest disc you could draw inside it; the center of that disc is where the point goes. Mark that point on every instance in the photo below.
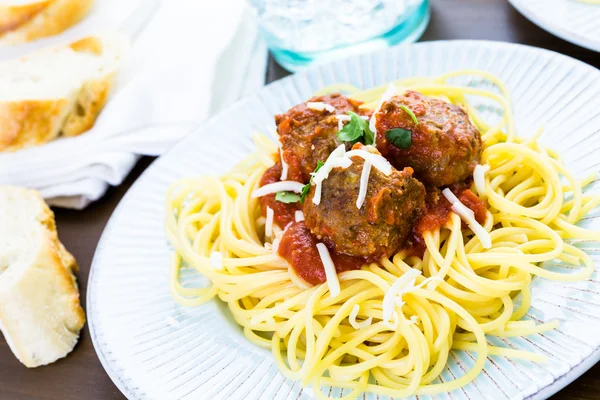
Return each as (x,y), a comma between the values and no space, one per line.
(438,213)
(284,212)
(298,247)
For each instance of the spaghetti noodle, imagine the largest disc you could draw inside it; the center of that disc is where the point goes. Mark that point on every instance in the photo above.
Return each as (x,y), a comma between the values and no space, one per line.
(452,297)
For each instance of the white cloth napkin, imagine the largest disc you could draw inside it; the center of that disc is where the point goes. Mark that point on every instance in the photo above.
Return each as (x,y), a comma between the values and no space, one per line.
(188,59)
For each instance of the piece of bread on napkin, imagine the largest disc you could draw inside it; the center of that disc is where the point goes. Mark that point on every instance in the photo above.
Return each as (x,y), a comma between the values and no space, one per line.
(56,91)
(23,21)
(40,314)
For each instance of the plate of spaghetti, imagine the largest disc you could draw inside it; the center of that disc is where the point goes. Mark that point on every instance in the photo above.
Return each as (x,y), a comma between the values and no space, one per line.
(576,21)
(420,222)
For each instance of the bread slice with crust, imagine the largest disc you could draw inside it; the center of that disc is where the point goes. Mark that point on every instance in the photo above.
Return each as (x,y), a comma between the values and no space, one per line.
(40,313)
(23,21)
(56,91)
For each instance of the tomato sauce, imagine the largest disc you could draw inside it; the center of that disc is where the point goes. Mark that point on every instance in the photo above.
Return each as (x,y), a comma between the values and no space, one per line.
(284,212)
(478,206)
(298,247)
(438,213)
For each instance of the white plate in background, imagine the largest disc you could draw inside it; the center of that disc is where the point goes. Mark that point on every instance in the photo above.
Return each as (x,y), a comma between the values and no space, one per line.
(153,348)
(572,20)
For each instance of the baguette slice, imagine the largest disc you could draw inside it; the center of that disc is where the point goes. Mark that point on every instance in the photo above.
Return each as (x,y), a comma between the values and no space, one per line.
(58,90)
(23,21)
(40,314)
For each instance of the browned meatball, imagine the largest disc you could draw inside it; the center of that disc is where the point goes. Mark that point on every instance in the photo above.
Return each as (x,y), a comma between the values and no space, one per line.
(381,226)
(445,147)
(308,136)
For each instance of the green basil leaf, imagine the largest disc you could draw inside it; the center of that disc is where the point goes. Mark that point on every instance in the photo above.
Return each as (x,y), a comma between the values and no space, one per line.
(306,187)
(410,113)
(356,129)
(318,167)
(369,136)
(352,131)
(287,197)
(401,138)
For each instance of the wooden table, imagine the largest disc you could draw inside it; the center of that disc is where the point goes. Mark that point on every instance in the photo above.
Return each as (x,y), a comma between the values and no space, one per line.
(80,375)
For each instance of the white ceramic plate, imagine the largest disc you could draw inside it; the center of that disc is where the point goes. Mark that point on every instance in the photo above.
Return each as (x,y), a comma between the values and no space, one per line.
(571,20)
(155,349)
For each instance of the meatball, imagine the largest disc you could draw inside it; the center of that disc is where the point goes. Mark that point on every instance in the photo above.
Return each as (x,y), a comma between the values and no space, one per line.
(381,226)
(445,147)
(308,136)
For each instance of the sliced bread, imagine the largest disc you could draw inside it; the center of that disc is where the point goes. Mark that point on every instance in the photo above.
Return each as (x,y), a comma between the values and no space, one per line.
(40,314)
(27,20)
(56,91)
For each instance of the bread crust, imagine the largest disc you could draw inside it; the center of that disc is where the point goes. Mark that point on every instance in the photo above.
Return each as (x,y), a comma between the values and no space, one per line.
(40,312)
(13,17)
(89,103)
(31,122)
(27,123)
(30,22)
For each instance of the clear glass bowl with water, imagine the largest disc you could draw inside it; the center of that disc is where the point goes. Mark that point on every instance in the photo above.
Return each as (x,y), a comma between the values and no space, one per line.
(301,32)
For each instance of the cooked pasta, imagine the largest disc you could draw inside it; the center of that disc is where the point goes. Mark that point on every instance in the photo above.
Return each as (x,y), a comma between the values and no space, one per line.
(449,298)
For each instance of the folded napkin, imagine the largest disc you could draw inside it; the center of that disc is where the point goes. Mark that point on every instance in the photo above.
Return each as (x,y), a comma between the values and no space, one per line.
(188,58)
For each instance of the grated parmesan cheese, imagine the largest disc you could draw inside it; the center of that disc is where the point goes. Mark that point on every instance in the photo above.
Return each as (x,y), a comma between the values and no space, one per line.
(388,94)
(467,215)
(364,183)
(283,186)
(341,119)
(352,319)
(320,106)
(275,245)
(335,159)
(332,279)
(451,197)
(269,223)
(284,165)
(375,160)
(399,287)
(479,178)
(299,216)
(393,297)
(216,260)
(340,158)
(460,209)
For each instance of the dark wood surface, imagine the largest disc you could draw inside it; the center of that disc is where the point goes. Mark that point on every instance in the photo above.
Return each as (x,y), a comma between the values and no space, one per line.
(81,376)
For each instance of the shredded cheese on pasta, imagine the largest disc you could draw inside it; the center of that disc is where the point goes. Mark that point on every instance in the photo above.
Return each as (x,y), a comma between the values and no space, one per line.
(364,183)
(269,223)
(332,279)
(216,260)
(320,106)
(479,178)
(282,186)
(467,215)
(284,165)
(375,160)
(335,159)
